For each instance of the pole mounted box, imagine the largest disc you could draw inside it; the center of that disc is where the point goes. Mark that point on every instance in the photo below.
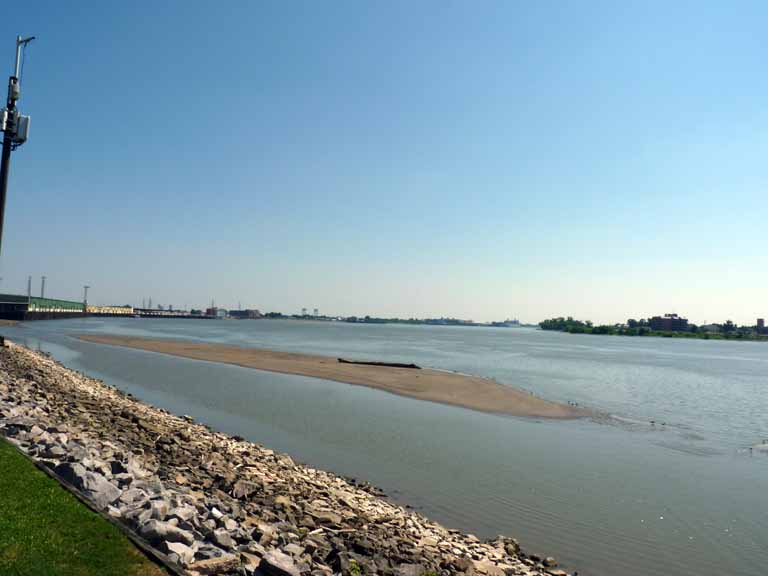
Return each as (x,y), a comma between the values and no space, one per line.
(15,127)
(22,130)
(14,90)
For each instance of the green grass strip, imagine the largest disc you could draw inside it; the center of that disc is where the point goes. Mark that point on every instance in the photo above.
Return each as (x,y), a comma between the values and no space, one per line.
(45,530)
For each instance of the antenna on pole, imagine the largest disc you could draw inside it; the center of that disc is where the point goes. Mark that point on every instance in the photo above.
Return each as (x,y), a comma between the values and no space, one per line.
(14,126)
(20,44)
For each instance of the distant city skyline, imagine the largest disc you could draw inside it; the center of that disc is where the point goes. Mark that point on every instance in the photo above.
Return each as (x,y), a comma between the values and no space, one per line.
(598,160)
(147,303)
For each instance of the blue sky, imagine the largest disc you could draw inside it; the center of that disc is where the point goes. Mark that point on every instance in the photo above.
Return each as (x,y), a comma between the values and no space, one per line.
(603,160)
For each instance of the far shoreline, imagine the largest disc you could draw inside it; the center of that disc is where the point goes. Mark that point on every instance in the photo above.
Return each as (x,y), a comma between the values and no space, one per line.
(444,387)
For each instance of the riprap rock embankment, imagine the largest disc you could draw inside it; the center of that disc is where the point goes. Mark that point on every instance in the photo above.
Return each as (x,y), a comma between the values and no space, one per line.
(215,504)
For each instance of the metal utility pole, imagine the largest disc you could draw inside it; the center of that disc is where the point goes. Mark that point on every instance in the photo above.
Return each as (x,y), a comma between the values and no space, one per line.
(85,295)
(14,126)
(42,287)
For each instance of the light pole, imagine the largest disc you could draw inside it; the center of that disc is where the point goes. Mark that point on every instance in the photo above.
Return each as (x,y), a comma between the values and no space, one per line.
(14,126)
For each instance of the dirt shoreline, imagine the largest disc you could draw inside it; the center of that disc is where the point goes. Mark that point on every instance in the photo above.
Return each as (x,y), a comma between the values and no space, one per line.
(439,386)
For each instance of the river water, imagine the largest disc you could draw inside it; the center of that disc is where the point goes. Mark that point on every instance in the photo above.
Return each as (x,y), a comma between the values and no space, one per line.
(616,494)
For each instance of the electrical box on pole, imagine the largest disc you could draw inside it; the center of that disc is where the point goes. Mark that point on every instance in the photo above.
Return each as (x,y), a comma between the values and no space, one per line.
(15,127)
(22,130)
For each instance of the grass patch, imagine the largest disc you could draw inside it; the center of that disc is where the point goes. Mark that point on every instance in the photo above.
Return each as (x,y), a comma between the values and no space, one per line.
(45,530)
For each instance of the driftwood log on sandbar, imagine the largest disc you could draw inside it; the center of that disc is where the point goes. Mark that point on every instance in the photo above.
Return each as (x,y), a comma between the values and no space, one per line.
(385,364)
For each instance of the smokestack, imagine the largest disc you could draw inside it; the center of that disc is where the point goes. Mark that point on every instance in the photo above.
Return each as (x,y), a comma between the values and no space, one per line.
(29,287)
(42,287)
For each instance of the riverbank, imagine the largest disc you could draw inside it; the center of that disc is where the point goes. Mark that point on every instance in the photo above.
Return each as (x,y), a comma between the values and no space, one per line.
(727,331)
(637,333)
(45,530)
(210,503)
(426,384)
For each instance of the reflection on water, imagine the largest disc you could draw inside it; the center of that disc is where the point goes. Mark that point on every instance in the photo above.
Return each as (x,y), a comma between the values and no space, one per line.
(619,495)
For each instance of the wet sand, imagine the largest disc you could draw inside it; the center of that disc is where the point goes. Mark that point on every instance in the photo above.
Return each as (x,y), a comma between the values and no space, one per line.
(426,384)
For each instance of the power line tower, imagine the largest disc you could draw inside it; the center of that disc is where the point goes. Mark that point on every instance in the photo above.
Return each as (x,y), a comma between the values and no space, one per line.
(14,125)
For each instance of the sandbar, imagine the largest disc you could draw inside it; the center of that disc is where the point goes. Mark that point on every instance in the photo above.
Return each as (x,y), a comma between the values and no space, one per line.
(445,387)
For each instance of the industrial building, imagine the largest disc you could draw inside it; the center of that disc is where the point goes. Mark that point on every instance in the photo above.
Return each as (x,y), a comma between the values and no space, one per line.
(245,314)
(109,310)
(14,307)
(670,323)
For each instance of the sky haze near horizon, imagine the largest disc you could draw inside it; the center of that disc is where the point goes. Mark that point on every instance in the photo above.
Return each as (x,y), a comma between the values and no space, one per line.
(481,160)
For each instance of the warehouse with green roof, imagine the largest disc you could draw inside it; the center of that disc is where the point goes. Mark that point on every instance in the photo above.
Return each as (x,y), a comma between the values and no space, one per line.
(15,307)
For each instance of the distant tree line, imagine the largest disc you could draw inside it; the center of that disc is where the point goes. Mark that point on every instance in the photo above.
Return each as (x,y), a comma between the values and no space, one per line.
(725,331)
